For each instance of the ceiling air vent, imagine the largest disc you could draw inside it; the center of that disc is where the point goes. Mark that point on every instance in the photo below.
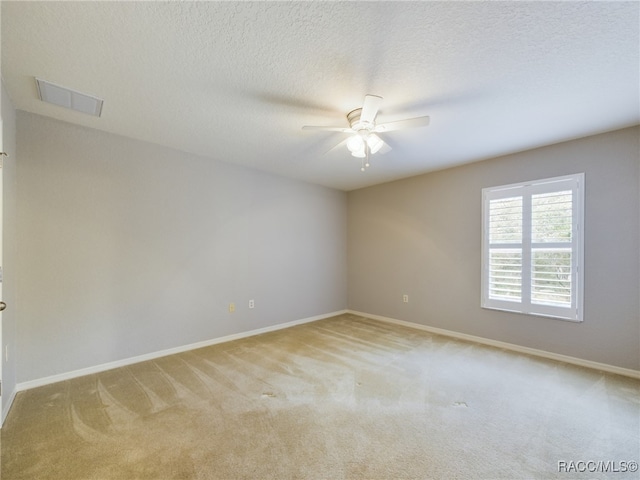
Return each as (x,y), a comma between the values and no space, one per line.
(65,97)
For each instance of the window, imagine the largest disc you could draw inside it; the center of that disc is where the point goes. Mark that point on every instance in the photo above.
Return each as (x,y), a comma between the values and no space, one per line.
(532,243)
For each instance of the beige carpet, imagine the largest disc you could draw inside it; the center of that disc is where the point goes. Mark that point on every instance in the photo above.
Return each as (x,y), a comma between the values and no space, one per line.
(345,397)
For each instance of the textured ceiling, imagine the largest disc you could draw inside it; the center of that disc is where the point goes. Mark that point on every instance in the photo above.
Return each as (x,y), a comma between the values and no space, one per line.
(236,81)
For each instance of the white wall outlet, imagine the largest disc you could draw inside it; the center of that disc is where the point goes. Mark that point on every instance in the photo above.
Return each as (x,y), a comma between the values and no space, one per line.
(232,307)
(405,298)
(252,303)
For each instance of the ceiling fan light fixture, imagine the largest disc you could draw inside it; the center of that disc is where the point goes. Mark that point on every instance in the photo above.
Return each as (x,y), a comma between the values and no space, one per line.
(355,144)
(374,142)
(360,153)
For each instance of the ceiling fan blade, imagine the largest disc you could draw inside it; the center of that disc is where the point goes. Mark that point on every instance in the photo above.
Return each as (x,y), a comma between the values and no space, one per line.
(400,124)
(370,108)
(327,129)
(385,148)
(342,144)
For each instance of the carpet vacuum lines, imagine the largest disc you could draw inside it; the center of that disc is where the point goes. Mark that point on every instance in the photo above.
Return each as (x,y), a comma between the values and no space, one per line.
(345,397)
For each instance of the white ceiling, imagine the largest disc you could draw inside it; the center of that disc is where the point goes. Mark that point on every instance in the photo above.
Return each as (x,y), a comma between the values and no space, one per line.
(236,81)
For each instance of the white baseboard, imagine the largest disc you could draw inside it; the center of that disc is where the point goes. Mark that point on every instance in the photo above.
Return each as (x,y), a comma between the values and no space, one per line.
(163,353)
(7,407)
(627,372)
(439,331)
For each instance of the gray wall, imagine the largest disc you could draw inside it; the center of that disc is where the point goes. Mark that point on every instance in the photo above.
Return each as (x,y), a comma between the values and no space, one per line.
(128,248)
(9,247)
(422,237)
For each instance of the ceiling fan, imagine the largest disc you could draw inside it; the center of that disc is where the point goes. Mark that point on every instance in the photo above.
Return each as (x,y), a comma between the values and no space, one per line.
(363,130)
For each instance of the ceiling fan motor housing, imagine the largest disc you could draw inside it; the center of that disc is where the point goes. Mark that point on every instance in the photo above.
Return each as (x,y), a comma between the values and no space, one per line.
(356,125)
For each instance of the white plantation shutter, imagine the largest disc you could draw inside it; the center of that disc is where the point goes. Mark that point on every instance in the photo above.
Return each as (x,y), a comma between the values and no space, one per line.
(551,233)
(532,247)
(505,256)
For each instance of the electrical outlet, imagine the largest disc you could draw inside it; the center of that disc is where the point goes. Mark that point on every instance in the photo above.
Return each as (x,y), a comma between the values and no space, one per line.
(405,298)
(232,307)
(252,303)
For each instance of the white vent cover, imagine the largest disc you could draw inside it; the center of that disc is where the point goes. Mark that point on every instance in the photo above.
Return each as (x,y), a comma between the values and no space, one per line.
(65,97)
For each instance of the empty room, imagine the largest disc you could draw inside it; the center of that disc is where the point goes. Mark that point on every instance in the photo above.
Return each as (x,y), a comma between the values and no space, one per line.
(319,240)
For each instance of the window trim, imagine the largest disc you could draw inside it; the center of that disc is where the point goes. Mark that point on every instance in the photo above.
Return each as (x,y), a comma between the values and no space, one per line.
(526,190)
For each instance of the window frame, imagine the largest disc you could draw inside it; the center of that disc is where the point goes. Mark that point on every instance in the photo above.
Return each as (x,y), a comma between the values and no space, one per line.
(526,190)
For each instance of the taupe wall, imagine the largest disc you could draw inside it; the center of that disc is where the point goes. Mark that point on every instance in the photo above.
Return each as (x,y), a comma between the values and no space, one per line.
(422,237)
(127,248)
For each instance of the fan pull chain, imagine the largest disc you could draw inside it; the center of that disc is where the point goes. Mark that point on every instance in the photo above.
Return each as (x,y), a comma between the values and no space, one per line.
(365,158)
